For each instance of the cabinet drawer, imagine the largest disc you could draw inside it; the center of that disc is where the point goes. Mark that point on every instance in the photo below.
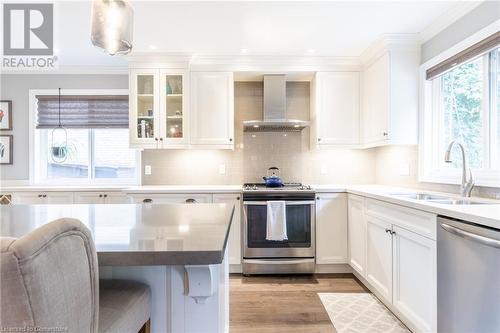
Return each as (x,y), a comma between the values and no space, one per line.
(173,198)
(420,222)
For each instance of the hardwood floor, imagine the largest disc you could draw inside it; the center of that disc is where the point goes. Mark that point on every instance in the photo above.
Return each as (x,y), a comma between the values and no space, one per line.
(282,304)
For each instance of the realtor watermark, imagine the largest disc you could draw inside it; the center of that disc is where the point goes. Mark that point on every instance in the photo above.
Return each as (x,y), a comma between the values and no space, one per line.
(28,36)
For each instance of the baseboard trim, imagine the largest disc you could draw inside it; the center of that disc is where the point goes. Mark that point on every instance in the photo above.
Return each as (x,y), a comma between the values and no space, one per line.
(333,268)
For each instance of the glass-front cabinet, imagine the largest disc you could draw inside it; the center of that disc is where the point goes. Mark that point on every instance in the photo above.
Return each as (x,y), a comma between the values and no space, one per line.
(158,108)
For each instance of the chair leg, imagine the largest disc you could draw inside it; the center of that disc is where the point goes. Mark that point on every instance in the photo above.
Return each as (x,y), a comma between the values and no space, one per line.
(146,328)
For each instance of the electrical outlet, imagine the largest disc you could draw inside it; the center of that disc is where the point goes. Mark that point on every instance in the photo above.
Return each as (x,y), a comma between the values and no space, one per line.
(222,169)
(324,169)
(404,169)
(147,170)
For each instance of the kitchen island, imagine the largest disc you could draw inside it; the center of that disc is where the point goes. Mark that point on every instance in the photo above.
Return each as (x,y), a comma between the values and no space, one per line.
(179,250)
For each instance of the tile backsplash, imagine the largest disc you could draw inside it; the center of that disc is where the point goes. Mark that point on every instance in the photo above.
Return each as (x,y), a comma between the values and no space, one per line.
(254,153)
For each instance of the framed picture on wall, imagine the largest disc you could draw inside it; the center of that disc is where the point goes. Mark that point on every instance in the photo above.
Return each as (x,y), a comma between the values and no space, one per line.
(6,148)
(5,115)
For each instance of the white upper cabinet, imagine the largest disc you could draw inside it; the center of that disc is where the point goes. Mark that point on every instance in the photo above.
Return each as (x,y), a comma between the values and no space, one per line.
(158,108)
(335,109)
(212,109)
(331,228)
(390,97)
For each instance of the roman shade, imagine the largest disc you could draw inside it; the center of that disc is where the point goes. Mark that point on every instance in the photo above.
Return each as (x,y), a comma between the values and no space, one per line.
(470,53)
(82,111)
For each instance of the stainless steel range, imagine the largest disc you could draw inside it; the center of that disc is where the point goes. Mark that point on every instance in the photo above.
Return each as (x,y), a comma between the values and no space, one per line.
(294,255)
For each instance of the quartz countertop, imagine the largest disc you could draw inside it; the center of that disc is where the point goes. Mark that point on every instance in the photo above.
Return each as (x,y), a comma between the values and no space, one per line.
(484,214)
(183,189)
(136,235)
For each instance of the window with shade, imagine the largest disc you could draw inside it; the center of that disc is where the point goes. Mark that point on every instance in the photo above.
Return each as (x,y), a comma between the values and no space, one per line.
(461,102)
(83,139)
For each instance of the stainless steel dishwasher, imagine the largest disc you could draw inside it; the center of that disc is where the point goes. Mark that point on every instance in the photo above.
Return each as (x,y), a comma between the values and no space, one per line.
(468,277)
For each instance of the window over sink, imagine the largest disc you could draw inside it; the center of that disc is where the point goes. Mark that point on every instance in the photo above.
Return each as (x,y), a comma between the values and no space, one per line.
(93,145)
(461,101)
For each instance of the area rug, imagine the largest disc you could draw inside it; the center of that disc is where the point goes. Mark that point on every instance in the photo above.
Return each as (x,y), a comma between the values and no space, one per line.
(360,313)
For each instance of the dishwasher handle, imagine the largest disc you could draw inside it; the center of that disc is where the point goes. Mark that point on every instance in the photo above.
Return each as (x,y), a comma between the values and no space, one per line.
(471,236)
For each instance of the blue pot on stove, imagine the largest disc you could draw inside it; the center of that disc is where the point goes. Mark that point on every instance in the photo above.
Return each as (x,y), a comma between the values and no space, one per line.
(273,179)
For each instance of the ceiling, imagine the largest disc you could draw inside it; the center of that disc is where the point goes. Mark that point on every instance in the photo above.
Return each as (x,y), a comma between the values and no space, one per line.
(265,28)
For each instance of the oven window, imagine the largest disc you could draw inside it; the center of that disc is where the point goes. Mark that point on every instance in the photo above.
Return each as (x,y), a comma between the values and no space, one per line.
(298,224)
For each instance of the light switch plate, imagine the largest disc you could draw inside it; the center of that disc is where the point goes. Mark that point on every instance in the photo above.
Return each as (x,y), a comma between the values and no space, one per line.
(222,169)
(147,170)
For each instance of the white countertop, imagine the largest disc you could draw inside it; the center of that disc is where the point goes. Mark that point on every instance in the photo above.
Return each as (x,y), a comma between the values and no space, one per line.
(488,215)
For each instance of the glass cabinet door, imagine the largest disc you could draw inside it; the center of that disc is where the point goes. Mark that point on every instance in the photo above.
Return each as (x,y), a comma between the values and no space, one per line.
(173,106)
(145,122)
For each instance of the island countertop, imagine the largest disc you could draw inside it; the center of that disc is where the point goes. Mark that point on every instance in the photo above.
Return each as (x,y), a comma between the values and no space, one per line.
(136,234)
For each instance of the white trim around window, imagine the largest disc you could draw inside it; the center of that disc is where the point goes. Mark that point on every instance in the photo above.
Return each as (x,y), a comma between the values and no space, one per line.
(428,132)
(34,148)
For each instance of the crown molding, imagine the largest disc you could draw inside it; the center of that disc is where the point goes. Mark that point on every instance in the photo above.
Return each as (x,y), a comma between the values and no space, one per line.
(448,18)
(388,42)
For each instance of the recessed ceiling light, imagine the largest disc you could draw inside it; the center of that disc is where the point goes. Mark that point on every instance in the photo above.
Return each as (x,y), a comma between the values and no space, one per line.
(311,51)
(296,126)
(244,51)
(256,126)
(152,47)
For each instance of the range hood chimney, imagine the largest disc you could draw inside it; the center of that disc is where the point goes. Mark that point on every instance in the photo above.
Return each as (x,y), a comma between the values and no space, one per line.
(275,116)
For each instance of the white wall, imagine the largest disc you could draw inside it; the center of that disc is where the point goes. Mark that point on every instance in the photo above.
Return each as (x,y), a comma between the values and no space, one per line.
(16,88)
(478,18)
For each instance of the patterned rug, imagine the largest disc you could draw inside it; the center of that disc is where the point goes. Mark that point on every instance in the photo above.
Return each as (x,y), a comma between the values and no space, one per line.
(360,313)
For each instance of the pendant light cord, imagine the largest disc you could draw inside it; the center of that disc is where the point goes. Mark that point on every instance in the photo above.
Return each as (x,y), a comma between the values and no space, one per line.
(59,108)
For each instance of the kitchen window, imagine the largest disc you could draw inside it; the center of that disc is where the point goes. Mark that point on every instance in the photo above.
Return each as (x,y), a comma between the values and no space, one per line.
(92,147)
(461,102)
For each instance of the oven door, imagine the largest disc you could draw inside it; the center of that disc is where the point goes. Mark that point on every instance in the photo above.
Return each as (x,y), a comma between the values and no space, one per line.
(300,224)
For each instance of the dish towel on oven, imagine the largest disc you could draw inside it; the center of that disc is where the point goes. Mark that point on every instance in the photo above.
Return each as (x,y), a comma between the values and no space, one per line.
(276,221)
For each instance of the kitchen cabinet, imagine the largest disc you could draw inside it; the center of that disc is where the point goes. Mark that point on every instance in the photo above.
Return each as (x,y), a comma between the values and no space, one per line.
(379,255)
(357,233)
(400,248)
(35,198)
(212,110)
(158,108)
(335,109)
(100,198)
(331,228)
(390,97)
(172,198)
(414,278)
(234,245)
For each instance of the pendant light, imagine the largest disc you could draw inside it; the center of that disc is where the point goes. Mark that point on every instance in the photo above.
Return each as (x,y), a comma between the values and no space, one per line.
(59,139)
(112,25)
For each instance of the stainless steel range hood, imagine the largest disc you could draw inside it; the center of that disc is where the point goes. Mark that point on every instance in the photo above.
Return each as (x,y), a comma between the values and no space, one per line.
(275,116)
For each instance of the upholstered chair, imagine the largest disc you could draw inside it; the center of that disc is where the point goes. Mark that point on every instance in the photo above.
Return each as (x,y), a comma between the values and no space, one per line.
(49,278)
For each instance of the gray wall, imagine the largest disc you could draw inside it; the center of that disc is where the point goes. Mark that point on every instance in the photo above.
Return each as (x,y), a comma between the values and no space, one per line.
(480,17)
(16,88)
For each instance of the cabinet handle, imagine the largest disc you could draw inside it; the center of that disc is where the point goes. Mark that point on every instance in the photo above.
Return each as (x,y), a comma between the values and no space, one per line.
(100,195)
(147,200)
(105,195)
(39,195)
(237,198)
(386,134)
(190,200)
(318,198)
(156,139)
(393,232)
(161,139)
(231,140)
(319,139)
(45,195)
(388,231)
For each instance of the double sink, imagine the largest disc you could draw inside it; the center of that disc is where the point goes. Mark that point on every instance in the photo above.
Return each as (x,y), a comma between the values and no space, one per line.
(439,199)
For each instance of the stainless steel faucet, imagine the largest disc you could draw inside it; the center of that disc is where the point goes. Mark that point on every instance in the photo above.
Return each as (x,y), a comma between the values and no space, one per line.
(467,181)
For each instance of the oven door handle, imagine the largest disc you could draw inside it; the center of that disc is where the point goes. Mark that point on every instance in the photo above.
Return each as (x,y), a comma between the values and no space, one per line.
(288,203)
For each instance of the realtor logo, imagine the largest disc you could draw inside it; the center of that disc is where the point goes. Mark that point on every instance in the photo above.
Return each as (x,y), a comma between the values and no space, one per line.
(28,36)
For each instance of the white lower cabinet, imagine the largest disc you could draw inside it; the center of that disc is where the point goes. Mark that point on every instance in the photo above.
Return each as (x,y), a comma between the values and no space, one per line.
(172,198)
(100,198)
(357,233)
(414,278)
(234,241)
(331,228)
(379,255)
(400,249)
(34,198)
